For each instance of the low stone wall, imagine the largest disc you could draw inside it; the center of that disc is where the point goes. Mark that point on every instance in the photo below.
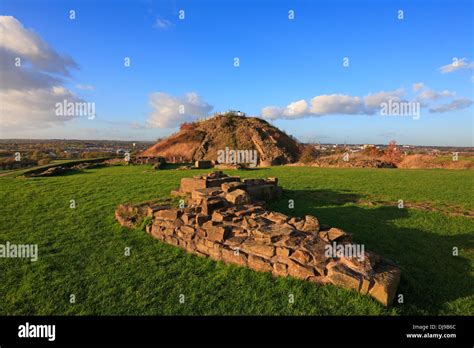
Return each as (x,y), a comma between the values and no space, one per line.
(258,189)
(225,221)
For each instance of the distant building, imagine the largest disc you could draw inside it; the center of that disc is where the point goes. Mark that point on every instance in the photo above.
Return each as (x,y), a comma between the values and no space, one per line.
(365,146)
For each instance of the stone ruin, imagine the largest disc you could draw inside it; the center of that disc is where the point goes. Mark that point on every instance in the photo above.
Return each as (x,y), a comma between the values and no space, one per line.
(225,219)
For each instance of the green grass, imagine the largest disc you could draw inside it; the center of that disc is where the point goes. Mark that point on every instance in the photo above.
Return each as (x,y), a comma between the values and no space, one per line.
(81,251)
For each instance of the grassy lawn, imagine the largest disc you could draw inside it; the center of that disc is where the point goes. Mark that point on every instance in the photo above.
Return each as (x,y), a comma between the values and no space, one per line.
(81,251)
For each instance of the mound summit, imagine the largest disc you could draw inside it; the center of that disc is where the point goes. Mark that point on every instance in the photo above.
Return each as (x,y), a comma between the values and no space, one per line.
(201,140)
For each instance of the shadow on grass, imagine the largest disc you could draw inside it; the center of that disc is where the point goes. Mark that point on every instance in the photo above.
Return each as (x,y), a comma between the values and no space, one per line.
(431,275)
(68,173)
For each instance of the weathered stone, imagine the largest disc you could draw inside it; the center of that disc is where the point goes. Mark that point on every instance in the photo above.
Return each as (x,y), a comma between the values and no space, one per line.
(201,246)
(385,283)
(360,263)
(297,222)
(311,224)
(249,209)
(201,219)
(300,256)
(340,274)
(208,205)
(259,264)
(278,218)
(281,230)
(238,196)
(235,257)
(221,216)
(198,195)
(172,240)
(335,235)
(216,231)
(262,250)
(188,218)
(186,229)
(216,254)
(151,210)
(262,233)
(280,269)
(231,186)
(168,214)
(201,233)
(249,223)
(235,242)
(292,241)
(299,271)
(283,252)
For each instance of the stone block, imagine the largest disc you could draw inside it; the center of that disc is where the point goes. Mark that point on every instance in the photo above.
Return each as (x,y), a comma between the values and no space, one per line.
(311,224)
(168,214)
(385,283)
(301,256)
(262,250)
(299,271)
(259,264)
(280,269)
(238,196)
(235,257)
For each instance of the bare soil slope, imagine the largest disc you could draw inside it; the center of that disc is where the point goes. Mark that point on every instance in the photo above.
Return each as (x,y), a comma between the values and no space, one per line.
(202,140)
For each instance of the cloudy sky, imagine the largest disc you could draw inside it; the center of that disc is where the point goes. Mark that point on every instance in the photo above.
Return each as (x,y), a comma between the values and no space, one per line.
(320,70)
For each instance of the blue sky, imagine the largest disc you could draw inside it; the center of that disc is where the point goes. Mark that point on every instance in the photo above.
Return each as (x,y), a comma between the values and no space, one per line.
(191,62)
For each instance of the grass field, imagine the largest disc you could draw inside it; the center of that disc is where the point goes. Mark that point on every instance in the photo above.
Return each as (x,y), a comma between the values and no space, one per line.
(81,251)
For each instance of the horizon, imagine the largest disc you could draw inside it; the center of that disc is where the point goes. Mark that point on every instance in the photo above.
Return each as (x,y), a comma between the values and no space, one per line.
(147,66)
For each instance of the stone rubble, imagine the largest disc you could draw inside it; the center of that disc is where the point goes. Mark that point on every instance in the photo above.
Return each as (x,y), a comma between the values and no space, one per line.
(225,219)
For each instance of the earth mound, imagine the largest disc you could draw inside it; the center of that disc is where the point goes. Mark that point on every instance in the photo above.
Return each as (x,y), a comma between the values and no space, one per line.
(206,140)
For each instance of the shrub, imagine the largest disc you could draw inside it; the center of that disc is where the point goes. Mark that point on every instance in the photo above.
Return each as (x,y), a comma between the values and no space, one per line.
(309,154)
(391,153)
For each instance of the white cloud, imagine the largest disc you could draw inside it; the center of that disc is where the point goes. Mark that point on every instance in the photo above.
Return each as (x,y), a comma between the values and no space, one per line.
(162,23)
(373,100)
(341,104)
(27,45)
(336,104)
(272,112)
(333,104)
(429,94)
(169,111)
(296,109)
(458,64)
(29,92)
(456,104)
(33,108)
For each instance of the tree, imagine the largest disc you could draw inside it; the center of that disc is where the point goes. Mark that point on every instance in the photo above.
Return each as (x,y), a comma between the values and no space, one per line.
(392,153)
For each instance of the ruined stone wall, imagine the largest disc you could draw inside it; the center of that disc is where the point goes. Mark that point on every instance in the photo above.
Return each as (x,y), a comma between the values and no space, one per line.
(225,221)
